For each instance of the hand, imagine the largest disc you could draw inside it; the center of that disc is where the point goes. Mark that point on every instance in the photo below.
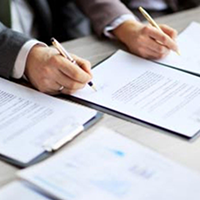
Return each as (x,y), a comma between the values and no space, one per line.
(47,70)
(145,40)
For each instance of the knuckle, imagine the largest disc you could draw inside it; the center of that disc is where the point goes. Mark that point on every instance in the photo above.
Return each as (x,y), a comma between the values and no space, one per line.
(87,63)
(86,79)
(76,75)
(175,32)
(53,60)
(163,26)
(146,30)
(90,77)
(161,49)
(70,91)
(46,72)
(164,39)
(141,51)
(141,40)
(42,89)
(160,55)
(71,85)
(83,78)
(82,86)
(44,83)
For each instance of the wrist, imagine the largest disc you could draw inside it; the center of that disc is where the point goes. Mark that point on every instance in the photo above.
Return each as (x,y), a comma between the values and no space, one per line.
(20,62)
(34,57)
(123,31)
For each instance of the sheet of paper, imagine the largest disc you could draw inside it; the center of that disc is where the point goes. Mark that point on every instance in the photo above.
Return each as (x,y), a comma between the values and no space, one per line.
(20,191)
(147,91)
(29,118)
(108,166)
(189,45)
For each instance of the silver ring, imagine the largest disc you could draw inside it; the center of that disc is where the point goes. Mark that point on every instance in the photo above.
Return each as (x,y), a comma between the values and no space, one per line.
(61,88)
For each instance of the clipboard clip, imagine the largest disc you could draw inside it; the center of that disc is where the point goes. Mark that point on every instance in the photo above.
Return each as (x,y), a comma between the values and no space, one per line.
(65,135)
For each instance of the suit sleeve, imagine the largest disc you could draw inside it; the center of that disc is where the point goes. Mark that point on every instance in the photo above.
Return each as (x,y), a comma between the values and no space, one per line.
(10,45)
(102,12)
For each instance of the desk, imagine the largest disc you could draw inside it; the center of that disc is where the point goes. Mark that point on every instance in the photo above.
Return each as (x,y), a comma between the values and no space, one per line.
(169,145)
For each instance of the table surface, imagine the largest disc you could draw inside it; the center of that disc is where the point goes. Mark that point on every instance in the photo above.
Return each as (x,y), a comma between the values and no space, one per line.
(174,147)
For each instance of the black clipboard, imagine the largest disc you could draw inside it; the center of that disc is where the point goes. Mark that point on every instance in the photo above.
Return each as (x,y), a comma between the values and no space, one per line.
(129,118)
(126,117)
(46,154)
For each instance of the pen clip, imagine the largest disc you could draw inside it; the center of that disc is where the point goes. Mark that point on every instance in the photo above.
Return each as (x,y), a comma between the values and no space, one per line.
(65,135)
(61,50)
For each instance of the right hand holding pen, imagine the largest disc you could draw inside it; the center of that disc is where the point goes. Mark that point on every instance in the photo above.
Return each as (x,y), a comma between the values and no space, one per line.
(48,71)
(145,40)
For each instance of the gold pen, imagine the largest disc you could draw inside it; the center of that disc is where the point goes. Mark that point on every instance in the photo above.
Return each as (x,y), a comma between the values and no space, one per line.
(152,22)
(65,54)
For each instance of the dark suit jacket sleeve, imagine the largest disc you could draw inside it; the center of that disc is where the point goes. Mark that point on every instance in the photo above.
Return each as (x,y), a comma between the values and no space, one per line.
(10,45)
(102,12)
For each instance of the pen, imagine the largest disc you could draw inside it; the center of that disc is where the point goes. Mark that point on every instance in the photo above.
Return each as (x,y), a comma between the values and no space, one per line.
(65,54)
(152,22)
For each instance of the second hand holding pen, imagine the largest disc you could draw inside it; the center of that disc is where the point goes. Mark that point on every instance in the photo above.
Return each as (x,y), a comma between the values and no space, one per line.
(65,54)
(152,22)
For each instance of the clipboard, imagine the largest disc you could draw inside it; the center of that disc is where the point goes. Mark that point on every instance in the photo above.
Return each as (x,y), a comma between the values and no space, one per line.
(47,154)
(132,118)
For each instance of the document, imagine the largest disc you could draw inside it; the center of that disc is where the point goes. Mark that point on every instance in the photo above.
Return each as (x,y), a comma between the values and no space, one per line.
(28,119)
(108,166)
(189,44)
(20,191)
(144,90)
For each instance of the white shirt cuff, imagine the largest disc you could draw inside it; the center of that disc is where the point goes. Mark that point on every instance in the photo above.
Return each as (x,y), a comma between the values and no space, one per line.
(20,63)
(117,22)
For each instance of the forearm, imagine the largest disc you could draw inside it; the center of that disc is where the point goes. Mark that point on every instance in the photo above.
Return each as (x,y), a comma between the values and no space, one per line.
(102,12)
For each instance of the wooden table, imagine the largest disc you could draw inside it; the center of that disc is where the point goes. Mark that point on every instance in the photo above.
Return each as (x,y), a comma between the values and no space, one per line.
(174,147)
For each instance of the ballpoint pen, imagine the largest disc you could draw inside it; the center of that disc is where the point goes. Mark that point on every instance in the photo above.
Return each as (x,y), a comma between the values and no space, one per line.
(65,54)
(152,22)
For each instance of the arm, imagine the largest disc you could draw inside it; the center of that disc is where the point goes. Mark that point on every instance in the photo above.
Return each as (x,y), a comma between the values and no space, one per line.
(140,39)
(45,68)
(146,41)
(10,45)
(102,12)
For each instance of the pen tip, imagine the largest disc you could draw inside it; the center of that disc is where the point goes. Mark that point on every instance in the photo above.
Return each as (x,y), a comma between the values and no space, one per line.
(178,52)
(91,84)
(94,88)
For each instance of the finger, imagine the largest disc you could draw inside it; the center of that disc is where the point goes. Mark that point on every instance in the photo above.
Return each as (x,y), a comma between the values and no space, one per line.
(161,37)
(156,55)
(169,31)
(67,91)
(148,53)
(69,83)
(152,54)
(84,64)
(49,86)
(71,70)
(155,46)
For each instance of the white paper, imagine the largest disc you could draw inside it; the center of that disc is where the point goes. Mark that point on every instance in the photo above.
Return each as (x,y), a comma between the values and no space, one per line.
(189,45)
(147,91)
(20,191)
(108,166)
(29,118)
